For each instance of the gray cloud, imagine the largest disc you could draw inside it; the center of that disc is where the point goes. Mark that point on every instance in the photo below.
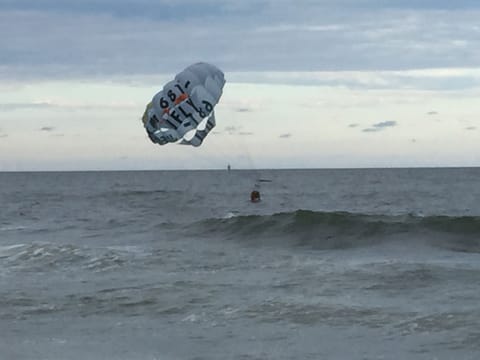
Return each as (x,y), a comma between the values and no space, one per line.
(47,105)
(426,79)
(380,126)
(47,128)
(353,125)
(243,110)
(22,106)
(385,124)
(160,10)
(432,113)
(370,130)
(279,9)
(3,135)
(237,130)
(470,128)
(114,38)
(285,136)
(230,129)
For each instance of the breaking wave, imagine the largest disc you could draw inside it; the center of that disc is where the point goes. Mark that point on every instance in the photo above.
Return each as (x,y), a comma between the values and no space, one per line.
(48,256)
(330,230)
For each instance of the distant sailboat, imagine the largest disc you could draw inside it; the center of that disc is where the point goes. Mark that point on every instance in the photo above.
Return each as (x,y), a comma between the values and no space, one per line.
(228,167)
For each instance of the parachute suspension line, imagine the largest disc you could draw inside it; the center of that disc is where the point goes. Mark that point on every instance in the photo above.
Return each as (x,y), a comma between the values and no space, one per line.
(254,172)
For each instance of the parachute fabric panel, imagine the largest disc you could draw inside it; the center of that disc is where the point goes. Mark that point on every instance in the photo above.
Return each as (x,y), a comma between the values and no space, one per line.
(199,135)
(183,104)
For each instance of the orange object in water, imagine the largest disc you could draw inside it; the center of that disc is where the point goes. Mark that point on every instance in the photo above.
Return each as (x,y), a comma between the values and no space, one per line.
(254,196)
(180,98)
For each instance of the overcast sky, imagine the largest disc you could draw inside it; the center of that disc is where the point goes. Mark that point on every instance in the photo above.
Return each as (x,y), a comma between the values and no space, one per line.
(344,83)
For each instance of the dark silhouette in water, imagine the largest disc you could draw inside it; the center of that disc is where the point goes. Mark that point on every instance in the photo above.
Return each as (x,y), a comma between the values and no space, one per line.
(255,196)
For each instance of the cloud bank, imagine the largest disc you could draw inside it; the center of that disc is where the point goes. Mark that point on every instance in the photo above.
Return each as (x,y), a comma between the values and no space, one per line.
(130,38)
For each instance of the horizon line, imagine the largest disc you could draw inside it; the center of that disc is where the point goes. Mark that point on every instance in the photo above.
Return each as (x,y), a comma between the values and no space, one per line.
(251,169)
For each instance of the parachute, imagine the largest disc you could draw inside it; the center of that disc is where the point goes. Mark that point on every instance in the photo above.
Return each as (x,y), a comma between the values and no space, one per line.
(183,111)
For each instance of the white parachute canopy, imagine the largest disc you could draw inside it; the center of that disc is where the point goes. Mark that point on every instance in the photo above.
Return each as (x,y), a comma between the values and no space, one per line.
(183,111)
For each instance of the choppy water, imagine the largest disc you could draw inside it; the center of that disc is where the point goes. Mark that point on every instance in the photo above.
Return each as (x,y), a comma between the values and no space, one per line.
(332,264)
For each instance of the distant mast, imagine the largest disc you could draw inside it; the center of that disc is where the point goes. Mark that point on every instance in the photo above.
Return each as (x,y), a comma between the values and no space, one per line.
(228,167)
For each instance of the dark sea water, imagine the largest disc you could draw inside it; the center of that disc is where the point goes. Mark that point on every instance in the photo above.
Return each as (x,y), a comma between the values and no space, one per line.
(332,264)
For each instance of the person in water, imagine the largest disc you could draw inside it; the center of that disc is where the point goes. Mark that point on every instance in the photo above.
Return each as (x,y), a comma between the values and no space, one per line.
(255,196)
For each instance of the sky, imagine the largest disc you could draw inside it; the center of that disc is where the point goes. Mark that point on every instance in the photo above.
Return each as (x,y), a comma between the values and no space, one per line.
(310,84)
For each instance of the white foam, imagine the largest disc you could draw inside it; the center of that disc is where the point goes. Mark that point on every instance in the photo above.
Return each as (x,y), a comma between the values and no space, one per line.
(7,250)
(191,318)
(12,228)
(229,215)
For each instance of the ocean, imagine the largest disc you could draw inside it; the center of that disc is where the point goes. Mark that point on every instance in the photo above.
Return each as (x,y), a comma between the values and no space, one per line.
(331,264)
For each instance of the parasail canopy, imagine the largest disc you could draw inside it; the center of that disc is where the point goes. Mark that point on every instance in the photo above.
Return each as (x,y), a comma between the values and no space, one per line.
(183,111)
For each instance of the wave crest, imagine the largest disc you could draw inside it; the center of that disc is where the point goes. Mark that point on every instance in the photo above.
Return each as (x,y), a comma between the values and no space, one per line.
(329,230)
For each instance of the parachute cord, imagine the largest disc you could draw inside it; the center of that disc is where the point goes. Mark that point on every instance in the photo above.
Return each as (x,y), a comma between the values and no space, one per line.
(250,162)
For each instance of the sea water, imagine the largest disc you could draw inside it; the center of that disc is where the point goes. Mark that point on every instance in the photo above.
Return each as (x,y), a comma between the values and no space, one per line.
(331,264)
